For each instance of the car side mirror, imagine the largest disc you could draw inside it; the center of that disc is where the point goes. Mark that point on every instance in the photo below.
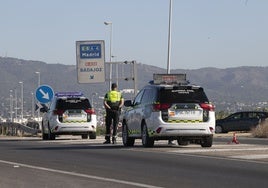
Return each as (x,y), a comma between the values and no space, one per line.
(44,109)
(128,103)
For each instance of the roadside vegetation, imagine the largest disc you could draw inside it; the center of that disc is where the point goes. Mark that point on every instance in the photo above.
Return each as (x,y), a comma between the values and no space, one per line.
(100,130)
(222,114)
(261,131)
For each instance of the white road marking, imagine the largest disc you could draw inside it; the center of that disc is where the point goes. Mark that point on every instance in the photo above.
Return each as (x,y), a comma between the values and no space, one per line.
(216,150)
(79,174)
(257,156)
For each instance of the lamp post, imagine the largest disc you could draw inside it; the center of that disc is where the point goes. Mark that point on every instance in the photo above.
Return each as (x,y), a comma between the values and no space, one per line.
(169,37)
(92,102)
(92,97)
(11,105)
(32,105)
(38,73)
(111,31)
(16,106)
(21,101)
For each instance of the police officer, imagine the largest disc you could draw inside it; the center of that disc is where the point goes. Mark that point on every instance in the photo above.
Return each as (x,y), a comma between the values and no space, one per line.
(113,102)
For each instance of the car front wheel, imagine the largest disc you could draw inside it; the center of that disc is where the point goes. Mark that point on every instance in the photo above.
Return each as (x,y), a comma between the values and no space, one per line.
(127,141)
(44,135)
(51,136)
(182,142)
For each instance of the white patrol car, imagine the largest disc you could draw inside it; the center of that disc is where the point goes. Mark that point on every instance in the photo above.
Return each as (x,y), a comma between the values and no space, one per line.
(169,109)
(70,113)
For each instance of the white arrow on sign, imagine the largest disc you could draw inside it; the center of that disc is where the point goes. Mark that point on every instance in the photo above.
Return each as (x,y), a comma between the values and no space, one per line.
(38,106)
(45,95)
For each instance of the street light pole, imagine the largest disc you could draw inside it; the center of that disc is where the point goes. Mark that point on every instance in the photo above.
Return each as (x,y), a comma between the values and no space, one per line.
(169,37)
(111,31)
(92,97)
(21,101)
(11,105)
(32,105)
(38,73)
(16,106)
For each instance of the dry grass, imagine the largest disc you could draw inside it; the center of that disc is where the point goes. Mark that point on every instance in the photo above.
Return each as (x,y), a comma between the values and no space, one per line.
(261,131)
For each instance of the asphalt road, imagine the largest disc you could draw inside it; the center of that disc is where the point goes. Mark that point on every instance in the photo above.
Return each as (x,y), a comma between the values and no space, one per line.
(72,162)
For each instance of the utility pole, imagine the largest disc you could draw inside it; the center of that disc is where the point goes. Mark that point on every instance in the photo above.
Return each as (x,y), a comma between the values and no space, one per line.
(169,37)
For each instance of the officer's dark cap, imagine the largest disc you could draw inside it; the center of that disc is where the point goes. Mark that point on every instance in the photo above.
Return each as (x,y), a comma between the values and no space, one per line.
(114,85)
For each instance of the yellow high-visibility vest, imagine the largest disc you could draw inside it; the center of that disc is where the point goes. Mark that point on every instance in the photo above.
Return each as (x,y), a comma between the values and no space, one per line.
(113,96)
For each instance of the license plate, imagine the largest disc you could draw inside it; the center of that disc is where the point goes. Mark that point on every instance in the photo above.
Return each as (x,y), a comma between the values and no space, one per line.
(75,115)
(186,114)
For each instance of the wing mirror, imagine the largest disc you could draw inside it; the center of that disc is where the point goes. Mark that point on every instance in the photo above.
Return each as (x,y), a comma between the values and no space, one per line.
(128,103)
(44,109)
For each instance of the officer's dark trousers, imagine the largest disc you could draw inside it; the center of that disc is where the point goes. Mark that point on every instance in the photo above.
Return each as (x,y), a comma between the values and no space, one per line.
(112,116)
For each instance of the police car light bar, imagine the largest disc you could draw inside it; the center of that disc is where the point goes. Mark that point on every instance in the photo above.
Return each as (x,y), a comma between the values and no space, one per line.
(69,94)
(170,79)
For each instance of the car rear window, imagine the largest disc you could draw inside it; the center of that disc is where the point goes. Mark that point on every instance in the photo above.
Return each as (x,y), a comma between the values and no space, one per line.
(73,103)
(185,94)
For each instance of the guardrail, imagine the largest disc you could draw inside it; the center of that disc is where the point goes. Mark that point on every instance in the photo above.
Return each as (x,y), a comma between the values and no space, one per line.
(16,129)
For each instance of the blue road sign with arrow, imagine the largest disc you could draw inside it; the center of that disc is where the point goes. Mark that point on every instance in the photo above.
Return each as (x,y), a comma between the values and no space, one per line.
(44,94)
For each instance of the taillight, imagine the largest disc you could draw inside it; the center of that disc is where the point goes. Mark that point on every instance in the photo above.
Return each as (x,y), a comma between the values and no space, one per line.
(58,112)
(90,111)
(163,106)
(206,106)
(159,130)
(211,129)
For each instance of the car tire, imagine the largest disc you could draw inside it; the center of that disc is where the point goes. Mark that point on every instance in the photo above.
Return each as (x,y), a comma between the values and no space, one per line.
(92,136)
(218,129)
(127,141)
(146,140)
(44,135)
(84,136)
(51,136)
(207,142)
(182,142)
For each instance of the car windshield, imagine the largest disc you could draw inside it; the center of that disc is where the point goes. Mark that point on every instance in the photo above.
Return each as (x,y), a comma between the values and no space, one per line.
(73,103)
(183,95)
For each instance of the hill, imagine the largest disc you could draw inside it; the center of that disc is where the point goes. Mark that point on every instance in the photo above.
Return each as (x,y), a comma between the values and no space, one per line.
(230,89)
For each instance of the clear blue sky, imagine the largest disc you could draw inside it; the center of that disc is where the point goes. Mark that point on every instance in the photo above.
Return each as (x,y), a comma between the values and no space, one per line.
(205,33)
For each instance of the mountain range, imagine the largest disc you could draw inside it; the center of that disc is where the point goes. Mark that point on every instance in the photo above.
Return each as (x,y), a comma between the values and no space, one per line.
(230,89)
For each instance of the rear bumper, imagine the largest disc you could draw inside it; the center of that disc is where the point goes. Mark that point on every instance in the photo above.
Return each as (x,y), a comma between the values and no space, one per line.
(74,130)
(196,129)
(59,128)
(162,131)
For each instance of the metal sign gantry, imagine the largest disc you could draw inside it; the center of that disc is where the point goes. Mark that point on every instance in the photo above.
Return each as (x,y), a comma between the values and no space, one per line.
(124,70)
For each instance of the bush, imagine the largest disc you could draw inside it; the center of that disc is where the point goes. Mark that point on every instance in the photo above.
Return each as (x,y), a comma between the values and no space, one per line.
(101,130)
(261,131)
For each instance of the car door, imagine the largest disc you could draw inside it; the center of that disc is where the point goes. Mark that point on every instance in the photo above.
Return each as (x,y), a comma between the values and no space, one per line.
(261,116)
(250,120)
(45,119)
(232,122)
(133,115)
(148,99)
